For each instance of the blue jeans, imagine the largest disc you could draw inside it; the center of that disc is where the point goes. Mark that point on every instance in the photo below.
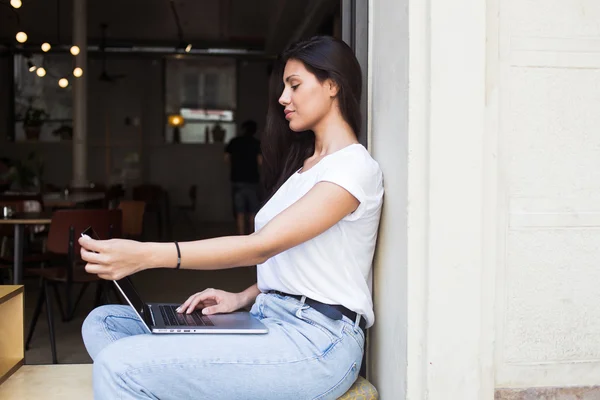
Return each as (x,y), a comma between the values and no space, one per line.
(245,197)
(305,355)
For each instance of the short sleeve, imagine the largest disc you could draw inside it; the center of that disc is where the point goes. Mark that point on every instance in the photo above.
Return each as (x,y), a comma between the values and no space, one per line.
(358,176)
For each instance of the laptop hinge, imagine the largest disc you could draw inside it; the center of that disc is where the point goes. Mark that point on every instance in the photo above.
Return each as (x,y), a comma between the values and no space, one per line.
(149,317)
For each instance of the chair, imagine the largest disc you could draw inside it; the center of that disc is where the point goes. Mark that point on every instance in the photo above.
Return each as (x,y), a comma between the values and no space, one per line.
(113,195)
(133,218)
(187,210)
(157,201)
(362,389)
(65,228)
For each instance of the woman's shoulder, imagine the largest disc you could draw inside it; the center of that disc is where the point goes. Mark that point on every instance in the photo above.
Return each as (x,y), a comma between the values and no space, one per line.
(355,158)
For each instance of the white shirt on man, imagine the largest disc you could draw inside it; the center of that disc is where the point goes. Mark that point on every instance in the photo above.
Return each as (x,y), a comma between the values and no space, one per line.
(334,267)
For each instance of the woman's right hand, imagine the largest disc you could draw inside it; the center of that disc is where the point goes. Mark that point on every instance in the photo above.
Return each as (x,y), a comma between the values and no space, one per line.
(212,301)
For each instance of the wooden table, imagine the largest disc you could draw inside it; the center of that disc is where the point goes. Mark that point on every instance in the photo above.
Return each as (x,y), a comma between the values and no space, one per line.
(12,352)
(72,199)
(19,220)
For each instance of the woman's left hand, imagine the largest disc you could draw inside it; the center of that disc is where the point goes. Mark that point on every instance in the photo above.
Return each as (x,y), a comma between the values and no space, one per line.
(114,258)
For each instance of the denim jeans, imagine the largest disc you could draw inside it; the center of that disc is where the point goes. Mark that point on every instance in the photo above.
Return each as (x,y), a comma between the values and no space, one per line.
(305,355)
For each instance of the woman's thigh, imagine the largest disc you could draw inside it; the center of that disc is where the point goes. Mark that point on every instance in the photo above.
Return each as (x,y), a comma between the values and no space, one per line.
(295,360)
(107,324)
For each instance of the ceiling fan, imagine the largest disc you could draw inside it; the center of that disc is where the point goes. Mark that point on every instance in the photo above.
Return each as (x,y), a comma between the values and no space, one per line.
(104,75)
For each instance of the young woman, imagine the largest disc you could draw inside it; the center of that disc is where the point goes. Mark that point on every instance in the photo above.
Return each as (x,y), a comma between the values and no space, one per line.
(313,248)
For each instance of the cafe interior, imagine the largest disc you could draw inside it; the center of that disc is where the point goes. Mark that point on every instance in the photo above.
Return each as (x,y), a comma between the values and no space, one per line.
(116,114)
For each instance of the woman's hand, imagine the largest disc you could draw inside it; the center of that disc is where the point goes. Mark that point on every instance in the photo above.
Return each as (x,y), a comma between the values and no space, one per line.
(114,258)
(212,301)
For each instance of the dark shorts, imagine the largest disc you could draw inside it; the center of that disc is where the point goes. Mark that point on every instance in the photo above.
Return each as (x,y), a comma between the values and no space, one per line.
(245,197)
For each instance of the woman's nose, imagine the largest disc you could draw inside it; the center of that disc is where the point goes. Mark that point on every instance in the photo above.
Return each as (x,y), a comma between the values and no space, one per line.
(284,99)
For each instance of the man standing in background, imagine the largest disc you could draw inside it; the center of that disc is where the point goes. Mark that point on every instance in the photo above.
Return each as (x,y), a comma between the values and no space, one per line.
(244,156)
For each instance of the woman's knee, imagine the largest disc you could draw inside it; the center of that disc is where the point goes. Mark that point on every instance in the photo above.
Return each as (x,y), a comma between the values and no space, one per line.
(97,331)
(96,318)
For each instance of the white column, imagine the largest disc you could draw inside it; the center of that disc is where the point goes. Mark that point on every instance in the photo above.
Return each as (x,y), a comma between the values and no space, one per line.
(80,96)
(388,143)
(449,273)
(434,278)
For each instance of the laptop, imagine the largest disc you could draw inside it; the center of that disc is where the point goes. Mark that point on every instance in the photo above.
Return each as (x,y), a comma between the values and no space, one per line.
(163,317)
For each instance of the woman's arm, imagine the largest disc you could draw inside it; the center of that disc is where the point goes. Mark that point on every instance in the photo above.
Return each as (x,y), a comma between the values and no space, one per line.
(318,210)
(321,208)
(249,295)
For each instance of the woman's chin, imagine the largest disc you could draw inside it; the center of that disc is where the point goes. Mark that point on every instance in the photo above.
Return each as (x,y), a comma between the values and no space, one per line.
(296,127)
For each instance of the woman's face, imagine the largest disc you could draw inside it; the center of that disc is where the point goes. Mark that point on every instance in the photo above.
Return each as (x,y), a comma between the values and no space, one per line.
(305,100)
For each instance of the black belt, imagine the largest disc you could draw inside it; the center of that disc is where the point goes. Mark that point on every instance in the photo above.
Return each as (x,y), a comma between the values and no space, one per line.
(333,311)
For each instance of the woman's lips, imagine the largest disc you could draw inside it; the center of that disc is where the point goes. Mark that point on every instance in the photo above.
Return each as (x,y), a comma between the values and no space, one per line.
(287,114)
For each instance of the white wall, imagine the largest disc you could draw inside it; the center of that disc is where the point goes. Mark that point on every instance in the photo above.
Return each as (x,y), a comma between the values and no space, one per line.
(388,143)
(432,339)
(548,318)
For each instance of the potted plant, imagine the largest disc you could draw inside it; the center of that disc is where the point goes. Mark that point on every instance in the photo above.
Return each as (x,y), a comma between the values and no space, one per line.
(64,132)
(33,120)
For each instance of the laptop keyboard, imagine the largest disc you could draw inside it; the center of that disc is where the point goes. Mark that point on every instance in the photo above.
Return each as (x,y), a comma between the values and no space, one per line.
(173,318)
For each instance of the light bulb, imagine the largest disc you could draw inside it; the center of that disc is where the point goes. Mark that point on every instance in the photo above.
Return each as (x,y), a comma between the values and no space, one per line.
(46,47)
(32,68)
(21,37)
(74,50)
(40,72)
(16,3)
(77,72)
(63,82)
(188,48)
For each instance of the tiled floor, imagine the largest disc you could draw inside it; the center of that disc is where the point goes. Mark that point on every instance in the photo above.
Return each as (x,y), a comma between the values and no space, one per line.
(154,285)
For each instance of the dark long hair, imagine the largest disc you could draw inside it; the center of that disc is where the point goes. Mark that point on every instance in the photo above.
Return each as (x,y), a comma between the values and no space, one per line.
(284,150)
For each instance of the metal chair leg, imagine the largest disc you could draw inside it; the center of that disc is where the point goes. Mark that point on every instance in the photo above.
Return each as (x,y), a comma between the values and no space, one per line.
(68,300)
(50,323)
(81,293)
(63,316)
(36,315)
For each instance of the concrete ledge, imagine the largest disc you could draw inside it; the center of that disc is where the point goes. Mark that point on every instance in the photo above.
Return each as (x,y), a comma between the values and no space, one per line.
(49,382)
(550,393)
(74,381)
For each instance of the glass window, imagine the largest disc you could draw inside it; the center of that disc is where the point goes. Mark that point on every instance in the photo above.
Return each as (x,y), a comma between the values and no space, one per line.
(43,109)
(202,91)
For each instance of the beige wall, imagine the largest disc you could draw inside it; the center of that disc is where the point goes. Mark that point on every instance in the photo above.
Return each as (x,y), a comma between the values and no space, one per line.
(490,280)
(548,317)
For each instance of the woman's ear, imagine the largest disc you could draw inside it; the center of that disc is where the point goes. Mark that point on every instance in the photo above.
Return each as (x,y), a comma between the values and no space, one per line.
(332,87)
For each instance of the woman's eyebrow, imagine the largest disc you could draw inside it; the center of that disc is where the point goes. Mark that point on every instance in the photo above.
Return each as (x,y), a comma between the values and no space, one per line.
(290,77)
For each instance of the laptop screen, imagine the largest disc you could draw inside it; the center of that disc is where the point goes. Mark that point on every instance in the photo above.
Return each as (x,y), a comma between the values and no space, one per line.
(133,296)
(134,299)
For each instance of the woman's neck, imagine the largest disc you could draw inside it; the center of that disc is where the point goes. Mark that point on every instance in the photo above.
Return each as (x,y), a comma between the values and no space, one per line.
(332,133)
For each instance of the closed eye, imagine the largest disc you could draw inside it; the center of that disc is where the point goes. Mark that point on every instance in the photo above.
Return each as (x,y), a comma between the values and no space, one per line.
(295,87)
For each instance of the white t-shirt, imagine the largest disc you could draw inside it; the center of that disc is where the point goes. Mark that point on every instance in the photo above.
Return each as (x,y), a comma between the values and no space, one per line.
(335,266)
